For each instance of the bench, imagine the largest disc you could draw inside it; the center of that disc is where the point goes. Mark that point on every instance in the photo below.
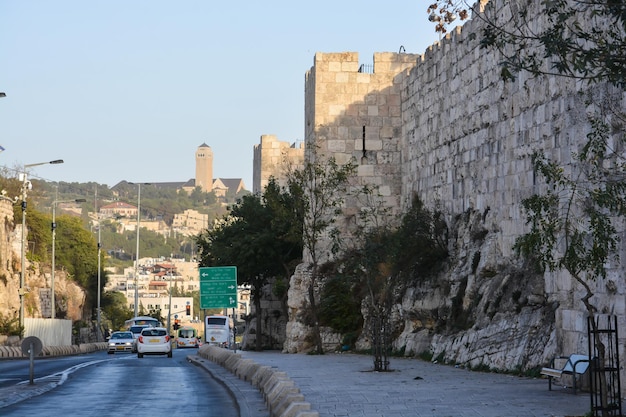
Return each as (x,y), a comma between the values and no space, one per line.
(574,365)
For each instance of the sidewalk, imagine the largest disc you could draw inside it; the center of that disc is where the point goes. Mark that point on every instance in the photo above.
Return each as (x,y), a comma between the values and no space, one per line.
(344,384)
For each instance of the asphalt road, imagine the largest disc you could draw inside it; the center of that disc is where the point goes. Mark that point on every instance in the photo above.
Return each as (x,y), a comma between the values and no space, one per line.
(121,384)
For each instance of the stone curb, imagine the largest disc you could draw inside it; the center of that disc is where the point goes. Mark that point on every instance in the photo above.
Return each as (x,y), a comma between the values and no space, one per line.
(281,394)
(16,352)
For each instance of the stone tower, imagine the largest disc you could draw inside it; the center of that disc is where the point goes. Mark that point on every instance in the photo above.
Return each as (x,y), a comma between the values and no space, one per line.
(204,168)
(273,158)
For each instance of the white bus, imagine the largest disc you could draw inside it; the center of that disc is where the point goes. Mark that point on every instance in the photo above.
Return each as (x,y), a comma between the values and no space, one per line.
(142,321)
(218,330)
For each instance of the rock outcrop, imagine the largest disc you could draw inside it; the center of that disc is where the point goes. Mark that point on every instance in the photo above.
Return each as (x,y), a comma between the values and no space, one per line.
(69,297)
(479,312)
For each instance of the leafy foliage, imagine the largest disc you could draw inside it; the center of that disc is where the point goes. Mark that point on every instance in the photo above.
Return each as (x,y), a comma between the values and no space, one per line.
(340,305)
(374,268)
(572,224)
(581,39)
(320,187)
(114,307)
(444,12)
(261,236)
(10,326)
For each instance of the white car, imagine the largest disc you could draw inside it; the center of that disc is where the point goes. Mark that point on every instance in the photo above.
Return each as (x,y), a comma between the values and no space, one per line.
(154,341)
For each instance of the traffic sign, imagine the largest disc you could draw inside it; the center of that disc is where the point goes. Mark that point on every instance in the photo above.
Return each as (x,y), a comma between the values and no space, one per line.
(218,287)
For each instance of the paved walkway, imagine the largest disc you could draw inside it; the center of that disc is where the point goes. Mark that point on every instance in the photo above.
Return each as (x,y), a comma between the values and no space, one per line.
(344,385)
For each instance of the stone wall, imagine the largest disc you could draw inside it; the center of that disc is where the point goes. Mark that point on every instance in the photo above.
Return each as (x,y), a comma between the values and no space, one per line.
(444,126)
(467,140)
(273,158)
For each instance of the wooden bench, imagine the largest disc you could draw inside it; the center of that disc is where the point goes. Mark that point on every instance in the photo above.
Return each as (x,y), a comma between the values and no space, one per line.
(574,365)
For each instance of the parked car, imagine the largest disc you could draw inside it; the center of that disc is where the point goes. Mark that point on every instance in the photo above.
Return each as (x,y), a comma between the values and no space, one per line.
(121,342)
(154,341)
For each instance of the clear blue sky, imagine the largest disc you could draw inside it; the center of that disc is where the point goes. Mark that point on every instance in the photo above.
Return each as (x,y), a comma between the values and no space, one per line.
(128,89)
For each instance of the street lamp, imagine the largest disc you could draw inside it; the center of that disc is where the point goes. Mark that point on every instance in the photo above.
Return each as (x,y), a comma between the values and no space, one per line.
(26,185)
(99,319)
(137,251)
(169,308)
(54,228)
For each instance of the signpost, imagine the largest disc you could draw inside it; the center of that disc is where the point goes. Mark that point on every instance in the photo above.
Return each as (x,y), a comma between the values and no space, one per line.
(218,287)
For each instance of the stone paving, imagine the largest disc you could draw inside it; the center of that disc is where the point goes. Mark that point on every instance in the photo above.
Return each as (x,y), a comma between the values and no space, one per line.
(344,384)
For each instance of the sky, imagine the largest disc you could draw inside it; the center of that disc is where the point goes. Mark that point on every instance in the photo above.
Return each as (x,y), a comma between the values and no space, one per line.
(128,89)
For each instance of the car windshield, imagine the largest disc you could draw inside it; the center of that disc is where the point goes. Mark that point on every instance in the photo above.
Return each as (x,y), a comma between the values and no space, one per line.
(137,329)
(153,332)
(185,333)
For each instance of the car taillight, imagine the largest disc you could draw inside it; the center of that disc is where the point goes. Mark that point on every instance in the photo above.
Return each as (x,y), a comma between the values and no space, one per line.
(140,339)
(167,338)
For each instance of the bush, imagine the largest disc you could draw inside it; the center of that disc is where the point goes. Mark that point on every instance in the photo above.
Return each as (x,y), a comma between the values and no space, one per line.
(11,326)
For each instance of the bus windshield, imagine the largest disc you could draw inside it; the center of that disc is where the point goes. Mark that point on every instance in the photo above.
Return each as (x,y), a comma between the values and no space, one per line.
(142,321)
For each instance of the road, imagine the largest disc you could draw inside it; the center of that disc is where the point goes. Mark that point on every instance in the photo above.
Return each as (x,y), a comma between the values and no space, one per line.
(103,385)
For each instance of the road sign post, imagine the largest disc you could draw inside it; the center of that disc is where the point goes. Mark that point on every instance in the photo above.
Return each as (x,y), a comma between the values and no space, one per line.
(218,287)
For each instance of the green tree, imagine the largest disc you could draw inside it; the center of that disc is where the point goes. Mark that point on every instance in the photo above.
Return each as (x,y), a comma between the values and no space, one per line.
(258,237)
(320,186)
(114,308)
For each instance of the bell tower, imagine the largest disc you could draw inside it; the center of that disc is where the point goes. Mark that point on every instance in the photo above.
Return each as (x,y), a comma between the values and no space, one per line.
(204,168)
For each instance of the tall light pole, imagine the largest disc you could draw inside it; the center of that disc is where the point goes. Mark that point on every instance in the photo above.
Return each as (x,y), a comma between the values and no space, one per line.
(99,320)
(169,308)
(54,232)
(137,251)
(26,185)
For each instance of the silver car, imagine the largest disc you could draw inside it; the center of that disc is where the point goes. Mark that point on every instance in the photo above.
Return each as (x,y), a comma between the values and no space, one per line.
(121,342)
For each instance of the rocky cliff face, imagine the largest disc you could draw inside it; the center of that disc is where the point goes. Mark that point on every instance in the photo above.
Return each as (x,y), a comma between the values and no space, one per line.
(70,298)
(481,311)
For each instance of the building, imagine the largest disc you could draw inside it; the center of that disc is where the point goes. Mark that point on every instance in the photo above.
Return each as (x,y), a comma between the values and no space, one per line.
(117,209)
(274,158)
(190,222)
(204,178)
(204,168)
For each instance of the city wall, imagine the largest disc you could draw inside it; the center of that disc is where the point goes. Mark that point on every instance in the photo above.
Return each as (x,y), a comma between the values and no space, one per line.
(445,126)
(467,139)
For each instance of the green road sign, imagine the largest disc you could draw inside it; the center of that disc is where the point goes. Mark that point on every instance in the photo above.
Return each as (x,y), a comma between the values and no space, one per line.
(218,287)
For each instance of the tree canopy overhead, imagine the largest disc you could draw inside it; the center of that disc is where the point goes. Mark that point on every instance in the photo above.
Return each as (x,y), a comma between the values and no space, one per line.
(581,39)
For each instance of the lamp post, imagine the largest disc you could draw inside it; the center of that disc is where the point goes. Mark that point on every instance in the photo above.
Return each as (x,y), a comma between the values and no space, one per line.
(99,248)
(54,228)
(169,308)
(137,251)
(26,185)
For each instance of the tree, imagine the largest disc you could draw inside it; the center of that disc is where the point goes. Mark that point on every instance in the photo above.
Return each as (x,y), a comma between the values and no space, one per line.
(321,187)
(582,39)
(386,256)
(573,224)
(259,236)
(115,309)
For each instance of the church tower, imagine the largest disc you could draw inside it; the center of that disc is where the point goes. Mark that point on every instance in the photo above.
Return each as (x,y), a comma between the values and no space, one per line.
(204,168)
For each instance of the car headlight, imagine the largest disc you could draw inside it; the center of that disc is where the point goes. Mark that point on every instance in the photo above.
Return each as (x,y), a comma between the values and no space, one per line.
(111,344)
